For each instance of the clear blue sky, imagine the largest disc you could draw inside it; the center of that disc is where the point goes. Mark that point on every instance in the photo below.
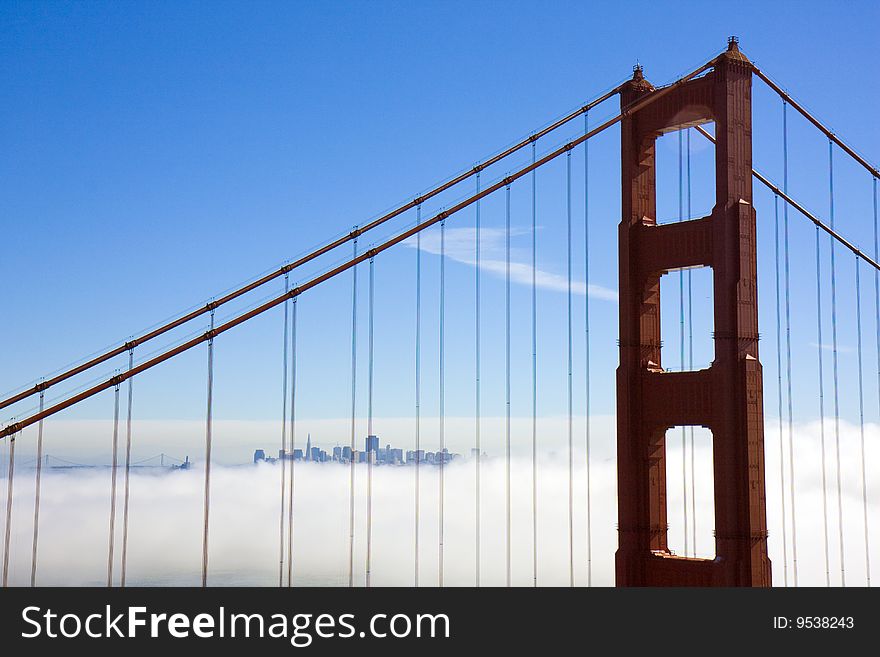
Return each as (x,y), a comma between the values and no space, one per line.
(156,154)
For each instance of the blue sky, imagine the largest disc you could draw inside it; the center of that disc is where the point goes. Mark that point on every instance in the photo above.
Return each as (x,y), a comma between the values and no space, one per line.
(155,155)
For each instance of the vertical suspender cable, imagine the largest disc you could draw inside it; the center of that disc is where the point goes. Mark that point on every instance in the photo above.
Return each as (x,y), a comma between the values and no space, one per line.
(534,371)
(10,474)
(794,567)
(690,321)
(507,374)
(862,420)
(534,327)
(209,418)
(684,487)
(370,453)
(570,428)
(353,410)
(283,453)
(442,384)
(834,363)
(478,446)
(113,466)
(876,310)
(37,492)
(418,383)
(126,485)
(587,399)
(822,407)
(292,442)
(779,391)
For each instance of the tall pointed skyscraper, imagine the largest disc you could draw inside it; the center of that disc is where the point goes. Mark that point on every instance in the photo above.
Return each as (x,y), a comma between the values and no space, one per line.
(309,448)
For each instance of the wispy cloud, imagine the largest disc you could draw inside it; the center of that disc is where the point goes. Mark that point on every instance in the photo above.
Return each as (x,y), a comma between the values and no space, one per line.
(843,349)
(461,247)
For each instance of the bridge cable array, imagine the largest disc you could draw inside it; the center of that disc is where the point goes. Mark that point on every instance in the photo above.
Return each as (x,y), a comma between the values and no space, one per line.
(316,253)
(335,271)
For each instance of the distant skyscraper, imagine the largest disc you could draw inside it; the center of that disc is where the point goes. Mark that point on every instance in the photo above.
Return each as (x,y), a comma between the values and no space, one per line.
(309,448)
(372,444)
(259,455)
(337,453)
(346,454)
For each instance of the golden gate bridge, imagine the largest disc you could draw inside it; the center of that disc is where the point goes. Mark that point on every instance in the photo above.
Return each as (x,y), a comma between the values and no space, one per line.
(726,398)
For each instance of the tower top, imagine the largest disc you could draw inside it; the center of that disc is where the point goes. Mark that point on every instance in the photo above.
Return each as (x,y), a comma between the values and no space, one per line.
(733,52)
(638,81)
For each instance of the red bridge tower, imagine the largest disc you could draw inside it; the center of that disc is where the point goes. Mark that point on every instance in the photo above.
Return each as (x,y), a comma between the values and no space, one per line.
(727,397)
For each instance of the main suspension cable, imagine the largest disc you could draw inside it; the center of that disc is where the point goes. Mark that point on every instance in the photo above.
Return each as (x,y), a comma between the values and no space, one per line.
(353,412)
(37,485)
(126,485)
(113,485)
(827,132)
(209,419)
(283,453)
(835,364)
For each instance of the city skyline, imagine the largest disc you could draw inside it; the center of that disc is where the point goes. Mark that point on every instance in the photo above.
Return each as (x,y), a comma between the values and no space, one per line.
(378,455)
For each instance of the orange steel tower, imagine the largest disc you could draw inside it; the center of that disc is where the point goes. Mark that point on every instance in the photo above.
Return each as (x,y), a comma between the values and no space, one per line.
(726,397)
